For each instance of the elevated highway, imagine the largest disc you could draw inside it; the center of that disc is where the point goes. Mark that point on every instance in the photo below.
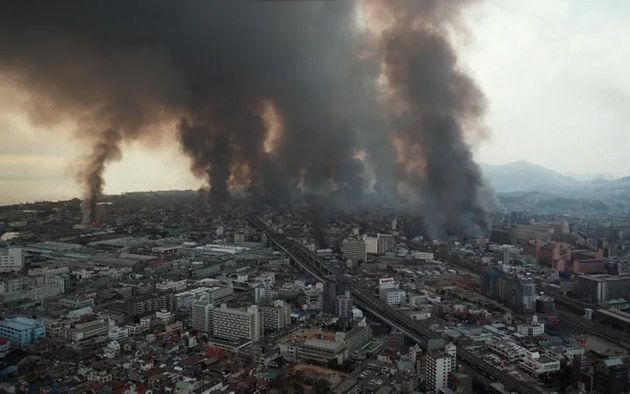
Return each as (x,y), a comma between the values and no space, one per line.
(414,330)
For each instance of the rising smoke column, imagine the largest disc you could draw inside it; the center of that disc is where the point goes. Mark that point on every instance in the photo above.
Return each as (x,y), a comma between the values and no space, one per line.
(434,101)
(75,63)
(289,102)
(103,151)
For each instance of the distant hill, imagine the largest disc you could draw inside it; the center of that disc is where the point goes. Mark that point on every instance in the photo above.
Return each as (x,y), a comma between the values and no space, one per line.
(523,185)
(624,180)
(525,176)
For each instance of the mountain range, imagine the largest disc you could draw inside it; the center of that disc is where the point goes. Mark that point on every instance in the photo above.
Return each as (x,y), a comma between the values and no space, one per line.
(523,176)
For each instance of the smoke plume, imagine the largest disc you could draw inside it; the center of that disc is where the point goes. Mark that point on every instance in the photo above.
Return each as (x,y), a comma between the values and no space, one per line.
(288,102)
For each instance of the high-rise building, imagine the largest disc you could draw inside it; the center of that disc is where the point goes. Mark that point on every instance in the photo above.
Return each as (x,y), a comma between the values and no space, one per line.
(371,245)
(354,249)
(330,296)
(314,298)
(201,311)
(233,324)
(263,293)
(276,316)
(437,369)
(451,350)
(150,302)
(385,242)
(343,307)
(489,283)
(21,331)
(11,259)
(518,292)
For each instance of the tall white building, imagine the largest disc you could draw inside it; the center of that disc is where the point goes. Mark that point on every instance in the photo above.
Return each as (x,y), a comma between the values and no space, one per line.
(437,367)
(380,244)
(343,307)
(11,259)
(371,245)
(451,350)
(236,324)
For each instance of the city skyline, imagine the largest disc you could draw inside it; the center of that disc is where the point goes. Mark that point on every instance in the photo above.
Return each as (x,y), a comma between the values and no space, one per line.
(368,196)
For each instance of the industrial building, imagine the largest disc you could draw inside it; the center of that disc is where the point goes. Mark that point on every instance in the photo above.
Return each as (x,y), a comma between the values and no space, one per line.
(602,288)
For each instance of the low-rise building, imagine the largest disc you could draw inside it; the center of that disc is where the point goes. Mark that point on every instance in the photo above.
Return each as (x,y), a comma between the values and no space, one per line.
(393,296)
(322,351)
(81,331)
(4,347)
(355,338)
(418,255)
(101,376)
(22,331)
(118,333)
(540,365)
(172,285)
(508,350)
(534,328)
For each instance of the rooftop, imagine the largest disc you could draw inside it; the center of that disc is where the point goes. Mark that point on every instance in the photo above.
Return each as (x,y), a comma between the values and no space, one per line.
(322,343)
(605,277)
(21,323)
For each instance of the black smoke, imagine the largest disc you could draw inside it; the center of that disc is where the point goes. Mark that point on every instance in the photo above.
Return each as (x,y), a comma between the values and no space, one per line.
(219,68)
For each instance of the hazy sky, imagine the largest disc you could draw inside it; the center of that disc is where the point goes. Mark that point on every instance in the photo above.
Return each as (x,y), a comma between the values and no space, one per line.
(555,74)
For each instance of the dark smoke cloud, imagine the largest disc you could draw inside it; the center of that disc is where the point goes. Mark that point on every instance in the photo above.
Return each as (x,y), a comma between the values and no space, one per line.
(437,101)
(231,71)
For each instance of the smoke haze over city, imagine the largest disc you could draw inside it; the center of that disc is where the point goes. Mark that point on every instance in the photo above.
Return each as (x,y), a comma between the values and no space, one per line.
(288,102)
(138,107)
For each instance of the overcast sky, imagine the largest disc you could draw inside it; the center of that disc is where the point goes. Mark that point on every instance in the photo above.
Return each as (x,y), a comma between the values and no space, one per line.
(556,75)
